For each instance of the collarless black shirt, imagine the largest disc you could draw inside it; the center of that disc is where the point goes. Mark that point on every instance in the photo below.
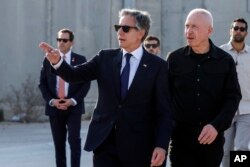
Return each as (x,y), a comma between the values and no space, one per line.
(204,87)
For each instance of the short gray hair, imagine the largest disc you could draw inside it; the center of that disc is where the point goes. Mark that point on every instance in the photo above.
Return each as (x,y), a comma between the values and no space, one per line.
(142,19)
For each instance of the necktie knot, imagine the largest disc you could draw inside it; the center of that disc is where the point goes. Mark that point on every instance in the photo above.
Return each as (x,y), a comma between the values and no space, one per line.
(128,56)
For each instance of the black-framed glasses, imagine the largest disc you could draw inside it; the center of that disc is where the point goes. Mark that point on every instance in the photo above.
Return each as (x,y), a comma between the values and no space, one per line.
(125,28)
(151,45)
(62,39)
(242,29)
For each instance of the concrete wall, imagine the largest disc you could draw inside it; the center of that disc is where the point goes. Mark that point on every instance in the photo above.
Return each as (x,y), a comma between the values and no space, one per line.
(25,23)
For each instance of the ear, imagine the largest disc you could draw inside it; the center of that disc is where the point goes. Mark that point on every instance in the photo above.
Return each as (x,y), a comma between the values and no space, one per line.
(72,43)
(210,30)
(141,33)
(231,32)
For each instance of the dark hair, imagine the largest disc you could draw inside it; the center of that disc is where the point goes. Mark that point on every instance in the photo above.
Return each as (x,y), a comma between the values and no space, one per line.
(142,19)
(151,37)
(241,20)
(65,30)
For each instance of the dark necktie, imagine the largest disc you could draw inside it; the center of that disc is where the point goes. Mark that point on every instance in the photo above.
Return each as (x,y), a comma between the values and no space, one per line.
(125,76)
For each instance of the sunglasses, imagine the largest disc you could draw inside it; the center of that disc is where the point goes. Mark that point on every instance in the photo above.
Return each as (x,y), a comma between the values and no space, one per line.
(61,39)
(242,29)
(151,45)
(125,29)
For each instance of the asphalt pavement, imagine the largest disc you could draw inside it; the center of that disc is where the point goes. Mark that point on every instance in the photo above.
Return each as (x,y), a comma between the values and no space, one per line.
(31,145)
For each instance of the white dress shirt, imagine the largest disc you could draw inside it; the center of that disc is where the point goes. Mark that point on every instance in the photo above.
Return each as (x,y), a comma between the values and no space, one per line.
(242,61)
(67,59)
(134,62)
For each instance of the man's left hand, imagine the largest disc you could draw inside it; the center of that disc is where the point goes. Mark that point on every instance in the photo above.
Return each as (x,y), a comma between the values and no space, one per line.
(158,157)
(208,134)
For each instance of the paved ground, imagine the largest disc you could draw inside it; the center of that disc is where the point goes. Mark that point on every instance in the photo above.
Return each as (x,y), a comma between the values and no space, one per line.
(30,145)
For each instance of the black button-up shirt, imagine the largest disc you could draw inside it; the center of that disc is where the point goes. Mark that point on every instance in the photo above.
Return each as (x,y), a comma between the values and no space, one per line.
(204,88)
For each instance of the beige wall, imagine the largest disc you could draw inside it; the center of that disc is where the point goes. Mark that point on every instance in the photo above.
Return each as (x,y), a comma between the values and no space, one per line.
(24,23)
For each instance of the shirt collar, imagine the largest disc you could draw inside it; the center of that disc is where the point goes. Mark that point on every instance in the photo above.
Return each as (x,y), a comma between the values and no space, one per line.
(67,55)
(246,48)
(137,53)
(211,52)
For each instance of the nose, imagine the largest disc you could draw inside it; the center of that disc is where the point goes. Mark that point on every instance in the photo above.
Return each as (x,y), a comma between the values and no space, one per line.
(120,31)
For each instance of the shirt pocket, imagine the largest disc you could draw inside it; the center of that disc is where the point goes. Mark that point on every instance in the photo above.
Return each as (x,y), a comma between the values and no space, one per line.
(214,79)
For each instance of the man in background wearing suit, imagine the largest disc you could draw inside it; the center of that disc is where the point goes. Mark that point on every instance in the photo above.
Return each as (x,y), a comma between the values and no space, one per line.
(64,102)
(131,123)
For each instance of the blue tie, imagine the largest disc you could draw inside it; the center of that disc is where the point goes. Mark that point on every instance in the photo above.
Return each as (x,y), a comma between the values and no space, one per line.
(125,76)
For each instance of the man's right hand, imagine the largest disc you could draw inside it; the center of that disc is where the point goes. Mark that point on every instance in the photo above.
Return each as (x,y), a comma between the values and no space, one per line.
(52,54)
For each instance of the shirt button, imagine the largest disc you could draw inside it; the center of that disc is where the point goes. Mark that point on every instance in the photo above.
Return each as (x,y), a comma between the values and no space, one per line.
(198,80)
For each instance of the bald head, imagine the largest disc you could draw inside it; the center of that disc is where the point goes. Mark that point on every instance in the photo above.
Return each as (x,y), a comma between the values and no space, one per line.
(204,15)
(198,29)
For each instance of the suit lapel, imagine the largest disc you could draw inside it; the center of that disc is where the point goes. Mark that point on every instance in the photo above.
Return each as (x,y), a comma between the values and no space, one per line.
(73,62)
(73,59)
(117,63)
(140,73)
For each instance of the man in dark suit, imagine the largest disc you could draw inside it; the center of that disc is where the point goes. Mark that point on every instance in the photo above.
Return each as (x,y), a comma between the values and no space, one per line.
(131,123)
(64,102)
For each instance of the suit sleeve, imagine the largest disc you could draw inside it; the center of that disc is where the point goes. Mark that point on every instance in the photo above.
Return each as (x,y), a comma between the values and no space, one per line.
(83,88)
(81,73)
(163,108)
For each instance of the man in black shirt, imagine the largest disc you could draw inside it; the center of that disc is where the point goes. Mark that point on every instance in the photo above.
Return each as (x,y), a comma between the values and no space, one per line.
(205,93)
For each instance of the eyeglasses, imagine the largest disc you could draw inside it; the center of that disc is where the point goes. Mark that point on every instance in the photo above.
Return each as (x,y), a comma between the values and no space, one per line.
(151,45)
(61,39)
(242,29)
(125,28)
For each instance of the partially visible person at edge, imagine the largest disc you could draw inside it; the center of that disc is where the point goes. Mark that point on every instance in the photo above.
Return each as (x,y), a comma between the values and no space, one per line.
(64,102)
(152,45)
(237,137)
(131,123)
(205,92)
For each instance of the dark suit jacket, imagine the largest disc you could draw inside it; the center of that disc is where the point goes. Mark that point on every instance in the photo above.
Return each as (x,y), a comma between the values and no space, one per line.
(77,91)
(142,119)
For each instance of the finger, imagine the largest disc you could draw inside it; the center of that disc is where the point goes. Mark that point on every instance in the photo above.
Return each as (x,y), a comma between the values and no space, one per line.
(46,47)
(153,157)
(158,160)
(208,139)
(201,136)
(211,139)
(204,139)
